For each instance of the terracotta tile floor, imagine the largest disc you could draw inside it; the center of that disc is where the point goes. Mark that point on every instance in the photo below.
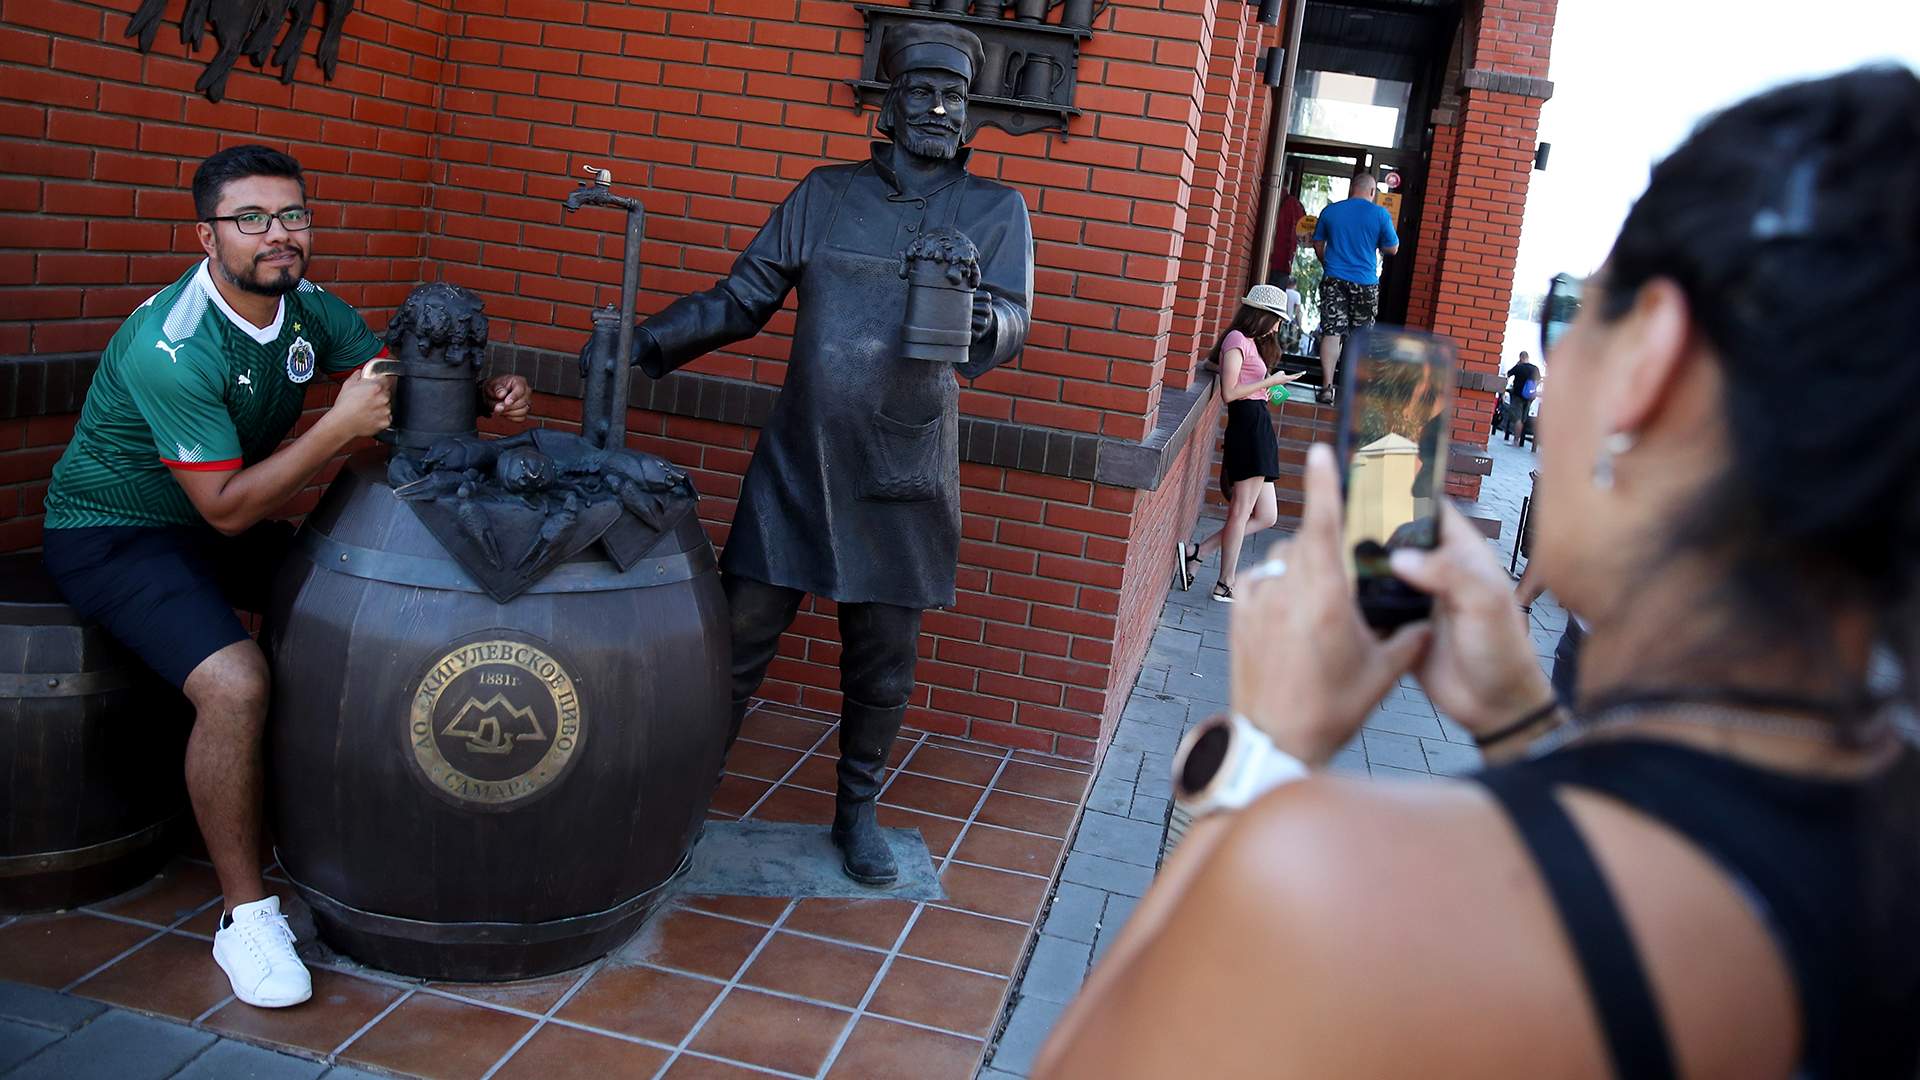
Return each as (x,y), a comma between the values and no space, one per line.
(714,986)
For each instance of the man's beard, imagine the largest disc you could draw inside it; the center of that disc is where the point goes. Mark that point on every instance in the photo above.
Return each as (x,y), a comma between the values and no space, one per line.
(928,144)
(271,281)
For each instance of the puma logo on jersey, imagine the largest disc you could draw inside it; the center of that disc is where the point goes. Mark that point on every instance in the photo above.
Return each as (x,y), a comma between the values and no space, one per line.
(172,351)
(246,382)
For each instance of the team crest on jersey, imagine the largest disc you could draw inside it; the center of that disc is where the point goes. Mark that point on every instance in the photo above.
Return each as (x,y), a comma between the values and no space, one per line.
(300,360)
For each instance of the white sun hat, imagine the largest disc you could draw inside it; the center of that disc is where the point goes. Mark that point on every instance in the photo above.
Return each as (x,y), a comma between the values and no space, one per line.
(1267,298)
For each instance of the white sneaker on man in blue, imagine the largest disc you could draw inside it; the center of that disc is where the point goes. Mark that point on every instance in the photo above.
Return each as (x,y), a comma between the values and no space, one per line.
(255,948)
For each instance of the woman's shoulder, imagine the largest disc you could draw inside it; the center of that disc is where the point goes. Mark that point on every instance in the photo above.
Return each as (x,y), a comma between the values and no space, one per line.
(1235,340)
(1427,887)
(1333,907)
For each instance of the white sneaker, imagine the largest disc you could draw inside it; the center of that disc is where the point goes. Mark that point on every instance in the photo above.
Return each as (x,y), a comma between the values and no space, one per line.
(256,951)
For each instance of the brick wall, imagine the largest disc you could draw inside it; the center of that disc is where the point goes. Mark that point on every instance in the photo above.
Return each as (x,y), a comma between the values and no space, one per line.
(98,144)
(1484,139)
(444,146)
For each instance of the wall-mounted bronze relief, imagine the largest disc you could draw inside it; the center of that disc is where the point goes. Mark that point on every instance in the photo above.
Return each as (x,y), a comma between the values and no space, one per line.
(248,28)
(1029,71)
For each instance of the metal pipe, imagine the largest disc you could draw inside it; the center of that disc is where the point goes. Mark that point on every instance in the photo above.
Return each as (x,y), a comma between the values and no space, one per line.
(622,373)
(599,192)
(1282,119)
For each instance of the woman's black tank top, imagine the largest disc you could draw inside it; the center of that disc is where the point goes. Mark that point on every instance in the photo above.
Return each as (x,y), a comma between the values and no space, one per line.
(1831,868)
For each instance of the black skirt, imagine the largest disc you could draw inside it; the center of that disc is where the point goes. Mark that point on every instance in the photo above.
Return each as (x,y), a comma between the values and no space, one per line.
(1251,448)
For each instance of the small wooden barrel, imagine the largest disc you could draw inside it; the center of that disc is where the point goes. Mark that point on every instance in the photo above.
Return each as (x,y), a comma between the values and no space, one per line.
(92,754)
(469,790)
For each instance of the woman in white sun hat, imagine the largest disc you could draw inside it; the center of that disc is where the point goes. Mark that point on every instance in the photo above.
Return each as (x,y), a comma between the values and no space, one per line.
(1248,356)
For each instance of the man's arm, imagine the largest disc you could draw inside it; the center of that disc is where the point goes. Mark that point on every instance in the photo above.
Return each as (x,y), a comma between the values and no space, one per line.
(1389,240)
(741,303)
(233,500)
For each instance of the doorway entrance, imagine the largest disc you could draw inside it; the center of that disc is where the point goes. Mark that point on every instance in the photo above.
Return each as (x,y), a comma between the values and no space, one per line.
(1320,173)
(1369,76)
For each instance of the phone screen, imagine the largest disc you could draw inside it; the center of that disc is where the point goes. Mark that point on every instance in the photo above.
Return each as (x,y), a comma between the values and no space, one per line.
(1393,441)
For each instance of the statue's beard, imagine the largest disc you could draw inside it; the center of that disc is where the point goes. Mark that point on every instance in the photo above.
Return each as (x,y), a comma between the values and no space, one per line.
(928,144)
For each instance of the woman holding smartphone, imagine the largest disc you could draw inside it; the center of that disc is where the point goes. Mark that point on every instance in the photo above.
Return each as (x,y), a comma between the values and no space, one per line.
(1248,356)
(1708,866)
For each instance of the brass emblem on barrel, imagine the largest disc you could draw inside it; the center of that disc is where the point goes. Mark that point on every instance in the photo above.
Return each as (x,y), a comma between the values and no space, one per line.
(494,721)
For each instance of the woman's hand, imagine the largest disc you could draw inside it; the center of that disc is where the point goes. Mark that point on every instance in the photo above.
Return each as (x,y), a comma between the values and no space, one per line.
(1305,667)
(1480,670)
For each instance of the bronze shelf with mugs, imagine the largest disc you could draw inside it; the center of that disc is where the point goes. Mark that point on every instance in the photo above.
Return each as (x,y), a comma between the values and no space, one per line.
(1030,74)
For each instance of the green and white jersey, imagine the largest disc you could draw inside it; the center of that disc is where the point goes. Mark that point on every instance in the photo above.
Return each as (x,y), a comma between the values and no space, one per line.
(186,383)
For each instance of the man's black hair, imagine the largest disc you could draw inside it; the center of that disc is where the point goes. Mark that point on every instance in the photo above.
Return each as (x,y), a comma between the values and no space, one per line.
(238,163)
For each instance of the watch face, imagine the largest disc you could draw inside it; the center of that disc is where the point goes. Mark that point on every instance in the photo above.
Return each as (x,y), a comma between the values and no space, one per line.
(1205,754)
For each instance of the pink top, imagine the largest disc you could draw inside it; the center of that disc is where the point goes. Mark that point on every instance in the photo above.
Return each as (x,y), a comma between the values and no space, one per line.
(1252,368)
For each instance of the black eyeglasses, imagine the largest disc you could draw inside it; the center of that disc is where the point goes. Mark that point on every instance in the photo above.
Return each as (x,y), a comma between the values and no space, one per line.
(255,222)
(1558,311)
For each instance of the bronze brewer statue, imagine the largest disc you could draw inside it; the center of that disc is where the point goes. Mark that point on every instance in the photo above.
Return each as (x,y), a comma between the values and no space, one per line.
(853,491)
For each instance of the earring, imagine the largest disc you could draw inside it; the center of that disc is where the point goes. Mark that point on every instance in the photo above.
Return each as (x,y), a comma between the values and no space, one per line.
(1616,444)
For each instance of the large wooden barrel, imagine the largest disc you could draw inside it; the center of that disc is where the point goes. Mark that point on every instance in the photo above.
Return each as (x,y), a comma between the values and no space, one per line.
(92,754)
(469,790)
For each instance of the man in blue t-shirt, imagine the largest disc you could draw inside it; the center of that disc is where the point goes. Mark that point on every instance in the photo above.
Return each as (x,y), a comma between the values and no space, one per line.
(1347,238)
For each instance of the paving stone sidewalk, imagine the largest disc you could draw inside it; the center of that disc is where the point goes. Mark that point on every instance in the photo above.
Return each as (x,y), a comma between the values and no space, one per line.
(1118,847)
(1124,833)
(47,1035)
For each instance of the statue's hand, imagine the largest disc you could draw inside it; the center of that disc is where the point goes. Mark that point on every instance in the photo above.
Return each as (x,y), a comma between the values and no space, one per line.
(982,314)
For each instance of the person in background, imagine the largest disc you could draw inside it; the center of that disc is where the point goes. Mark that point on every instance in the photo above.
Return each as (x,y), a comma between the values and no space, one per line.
(157,516)
(1249,356)
(1523,386)
(1710,867)
(1349,238)
(1286,232)
(1566,653)
(1290,332)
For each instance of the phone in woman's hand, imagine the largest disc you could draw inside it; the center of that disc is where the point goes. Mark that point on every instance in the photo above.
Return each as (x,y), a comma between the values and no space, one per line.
(1395,397)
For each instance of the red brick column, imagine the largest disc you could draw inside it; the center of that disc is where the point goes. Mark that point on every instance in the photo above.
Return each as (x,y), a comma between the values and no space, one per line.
(1487,158)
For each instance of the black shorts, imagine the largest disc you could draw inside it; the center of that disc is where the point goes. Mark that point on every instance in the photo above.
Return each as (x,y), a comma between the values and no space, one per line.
(167,593)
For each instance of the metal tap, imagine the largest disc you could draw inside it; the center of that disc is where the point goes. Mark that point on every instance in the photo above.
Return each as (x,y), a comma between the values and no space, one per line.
(598,192)
(606,376)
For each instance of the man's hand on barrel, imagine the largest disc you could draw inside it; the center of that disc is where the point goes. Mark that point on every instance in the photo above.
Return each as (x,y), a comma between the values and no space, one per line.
(364,407)
(510,396)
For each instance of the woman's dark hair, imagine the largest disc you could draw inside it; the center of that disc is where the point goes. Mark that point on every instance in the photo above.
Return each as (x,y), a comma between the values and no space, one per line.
(238,163)
(1790,221)
(1259,325)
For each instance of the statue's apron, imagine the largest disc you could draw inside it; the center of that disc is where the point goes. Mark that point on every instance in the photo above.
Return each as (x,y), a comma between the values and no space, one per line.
(854,488)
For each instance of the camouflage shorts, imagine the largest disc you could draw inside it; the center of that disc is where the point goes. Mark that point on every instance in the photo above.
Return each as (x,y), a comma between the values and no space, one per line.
(1347,305)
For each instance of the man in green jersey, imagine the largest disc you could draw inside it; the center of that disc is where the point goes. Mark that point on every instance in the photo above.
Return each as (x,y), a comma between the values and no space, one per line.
(156,518)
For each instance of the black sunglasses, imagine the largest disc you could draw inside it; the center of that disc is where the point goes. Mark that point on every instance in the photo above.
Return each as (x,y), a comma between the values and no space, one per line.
(1558,311)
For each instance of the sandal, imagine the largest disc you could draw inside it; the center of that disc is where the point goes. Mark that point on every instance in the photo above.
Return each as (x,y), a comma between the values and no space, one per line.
(1182,566)
(1223,592)
(1325,396)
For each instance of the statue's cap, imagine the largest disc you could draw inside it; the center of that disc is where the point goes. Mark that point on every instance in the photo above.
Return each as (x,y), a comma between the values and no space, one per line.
(939,46)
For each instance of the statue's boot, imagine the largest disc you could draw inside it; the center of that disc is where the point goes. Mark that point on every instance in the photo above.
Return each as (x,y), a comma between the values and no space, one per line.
(866,737)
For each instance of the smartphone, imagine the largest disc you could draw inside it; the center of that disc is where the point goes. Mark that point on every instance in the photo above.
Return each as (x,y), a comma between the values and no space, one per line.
(1396,396)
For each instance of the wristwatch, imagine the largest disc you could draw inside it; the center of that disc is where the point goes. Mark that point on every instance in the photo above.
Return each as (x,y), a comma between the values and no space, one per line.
(1226,763)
